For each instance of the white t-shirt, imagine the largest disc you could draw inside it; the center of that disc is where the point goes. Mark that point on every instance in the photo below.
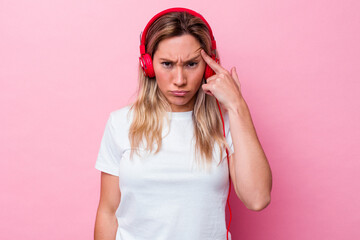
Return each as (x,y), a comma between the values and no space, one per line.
(165,196)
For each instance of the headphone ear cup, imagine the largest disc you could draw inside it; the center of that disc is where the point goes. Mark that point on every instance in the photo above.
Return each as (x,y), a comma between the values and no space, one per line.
(147,66)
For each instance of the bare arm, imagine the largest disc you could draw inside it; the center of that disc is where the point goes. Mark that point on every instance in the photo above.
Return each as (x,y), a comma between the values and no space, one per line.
(250,170)
(106,222)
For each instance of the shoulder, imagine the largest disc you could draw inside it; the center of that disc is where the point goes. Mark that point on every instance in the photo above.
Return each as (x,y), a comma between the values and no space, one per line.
(121,117)
(121,112)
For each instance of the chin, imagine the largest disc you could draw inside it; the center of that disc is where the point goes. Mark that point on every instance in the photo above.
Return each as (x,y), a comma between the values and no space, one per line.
(180,102)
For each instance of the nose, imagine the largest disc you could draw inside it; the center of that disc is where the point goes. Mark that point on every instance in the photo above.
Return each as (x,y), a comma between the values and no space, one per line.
(180,78)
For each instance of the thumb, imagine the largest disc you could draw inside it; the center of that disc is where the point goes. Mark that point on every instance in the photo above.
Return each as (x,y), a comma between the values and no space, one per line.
(206,89)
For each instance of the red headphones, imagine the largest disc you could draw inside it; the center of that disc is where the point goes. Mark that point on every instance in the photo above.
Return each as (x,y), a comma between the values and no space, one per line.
(145,58)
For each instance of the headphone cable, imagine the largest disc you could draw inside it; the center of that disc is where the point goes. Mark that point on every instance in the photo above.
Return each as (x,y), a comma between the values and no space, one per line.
(227,156)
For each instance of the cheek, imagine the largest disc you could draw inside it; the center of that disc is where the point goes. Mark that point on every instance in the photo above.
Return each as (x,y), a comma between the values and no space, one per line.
(161,77)
(198,75)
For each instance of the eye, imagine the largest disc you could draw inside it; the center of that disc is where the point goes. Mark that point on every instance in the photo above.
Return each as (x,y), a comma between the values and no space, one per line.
(192,64)
(166,64)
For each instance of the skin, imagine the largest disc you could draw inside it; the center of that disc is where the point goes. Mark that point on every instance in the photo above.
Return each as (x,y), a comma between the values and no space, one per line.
(178,65)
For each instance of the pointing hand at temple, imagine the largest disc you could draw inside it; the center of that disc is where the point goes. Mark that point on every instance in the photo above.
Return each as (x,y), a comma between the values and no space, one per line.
(224,85)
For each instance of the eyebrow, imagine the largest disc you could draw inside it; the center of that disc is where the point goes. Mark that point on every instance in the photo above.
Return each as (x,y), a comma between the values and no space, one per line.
(191,59)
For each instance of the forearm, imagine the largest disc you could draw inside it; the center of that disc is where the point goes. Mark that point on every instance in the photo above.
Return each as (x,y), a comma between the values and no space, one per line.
(252,171)
(105,226)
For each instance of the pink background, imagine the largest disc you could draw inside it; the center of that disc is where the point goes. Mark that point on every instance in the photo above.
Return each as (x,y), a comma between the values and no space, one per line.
(65,65)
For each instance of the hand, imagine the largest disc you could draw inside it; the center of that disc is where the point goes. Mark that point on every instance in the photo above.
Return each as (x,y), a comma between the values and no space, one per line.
(224,85)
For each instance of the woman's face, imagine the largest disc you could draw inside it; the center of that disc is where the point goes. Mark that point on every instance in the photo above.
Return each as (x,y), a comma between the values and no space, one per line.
(179,69)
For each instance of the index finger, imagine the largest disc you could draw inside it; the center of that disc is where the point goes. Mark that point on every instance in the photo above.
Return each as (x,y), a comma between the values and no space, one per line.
(211,62)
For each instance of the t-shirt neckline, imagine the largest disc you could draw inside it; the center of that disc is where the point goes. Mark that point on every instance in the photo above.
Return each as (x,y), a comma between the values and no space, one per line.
(180,115)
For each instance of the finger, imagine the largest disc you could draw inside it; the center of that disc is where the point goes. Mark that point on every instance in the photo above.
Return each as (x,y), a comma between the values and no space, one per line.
(235,76)
(211,62)
(206,89)
(212,78)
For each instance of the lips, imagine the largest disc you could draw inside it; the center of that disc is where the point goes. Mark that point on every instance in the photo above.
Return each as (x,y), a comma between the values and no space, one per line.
(179,93)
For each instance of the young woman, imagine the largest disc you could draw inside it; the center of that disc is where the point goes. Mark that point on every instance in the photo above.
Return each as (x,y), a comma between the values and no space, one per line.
(164,173)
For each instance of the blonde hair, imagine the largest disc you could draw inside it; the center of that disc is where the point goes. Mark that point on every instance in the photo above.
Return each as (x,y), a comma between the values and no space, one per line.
(151,107)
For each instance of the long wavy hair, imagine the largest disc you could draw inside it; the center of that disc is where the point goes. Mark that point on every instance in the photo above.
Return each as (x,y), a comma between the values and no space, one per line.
(151,107)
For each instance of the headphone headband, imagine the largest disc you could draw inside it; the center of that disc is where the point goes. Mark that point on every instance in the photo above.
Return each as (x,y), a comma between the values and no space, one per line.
(152,20)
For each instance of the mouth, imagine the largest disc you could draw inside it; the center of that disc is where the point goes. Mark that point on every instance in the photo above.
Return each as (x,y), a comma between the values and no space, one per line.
(179,93)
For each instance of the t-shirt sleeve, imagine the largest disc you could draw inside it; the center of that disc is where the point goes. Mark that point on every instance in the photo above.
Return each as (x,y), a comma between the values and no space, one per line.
(109,155)
(228,134)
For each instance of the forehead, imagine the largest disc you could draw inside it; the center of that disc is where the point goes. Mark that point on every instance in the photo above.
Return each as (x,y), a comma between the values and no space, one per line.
(182,47)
